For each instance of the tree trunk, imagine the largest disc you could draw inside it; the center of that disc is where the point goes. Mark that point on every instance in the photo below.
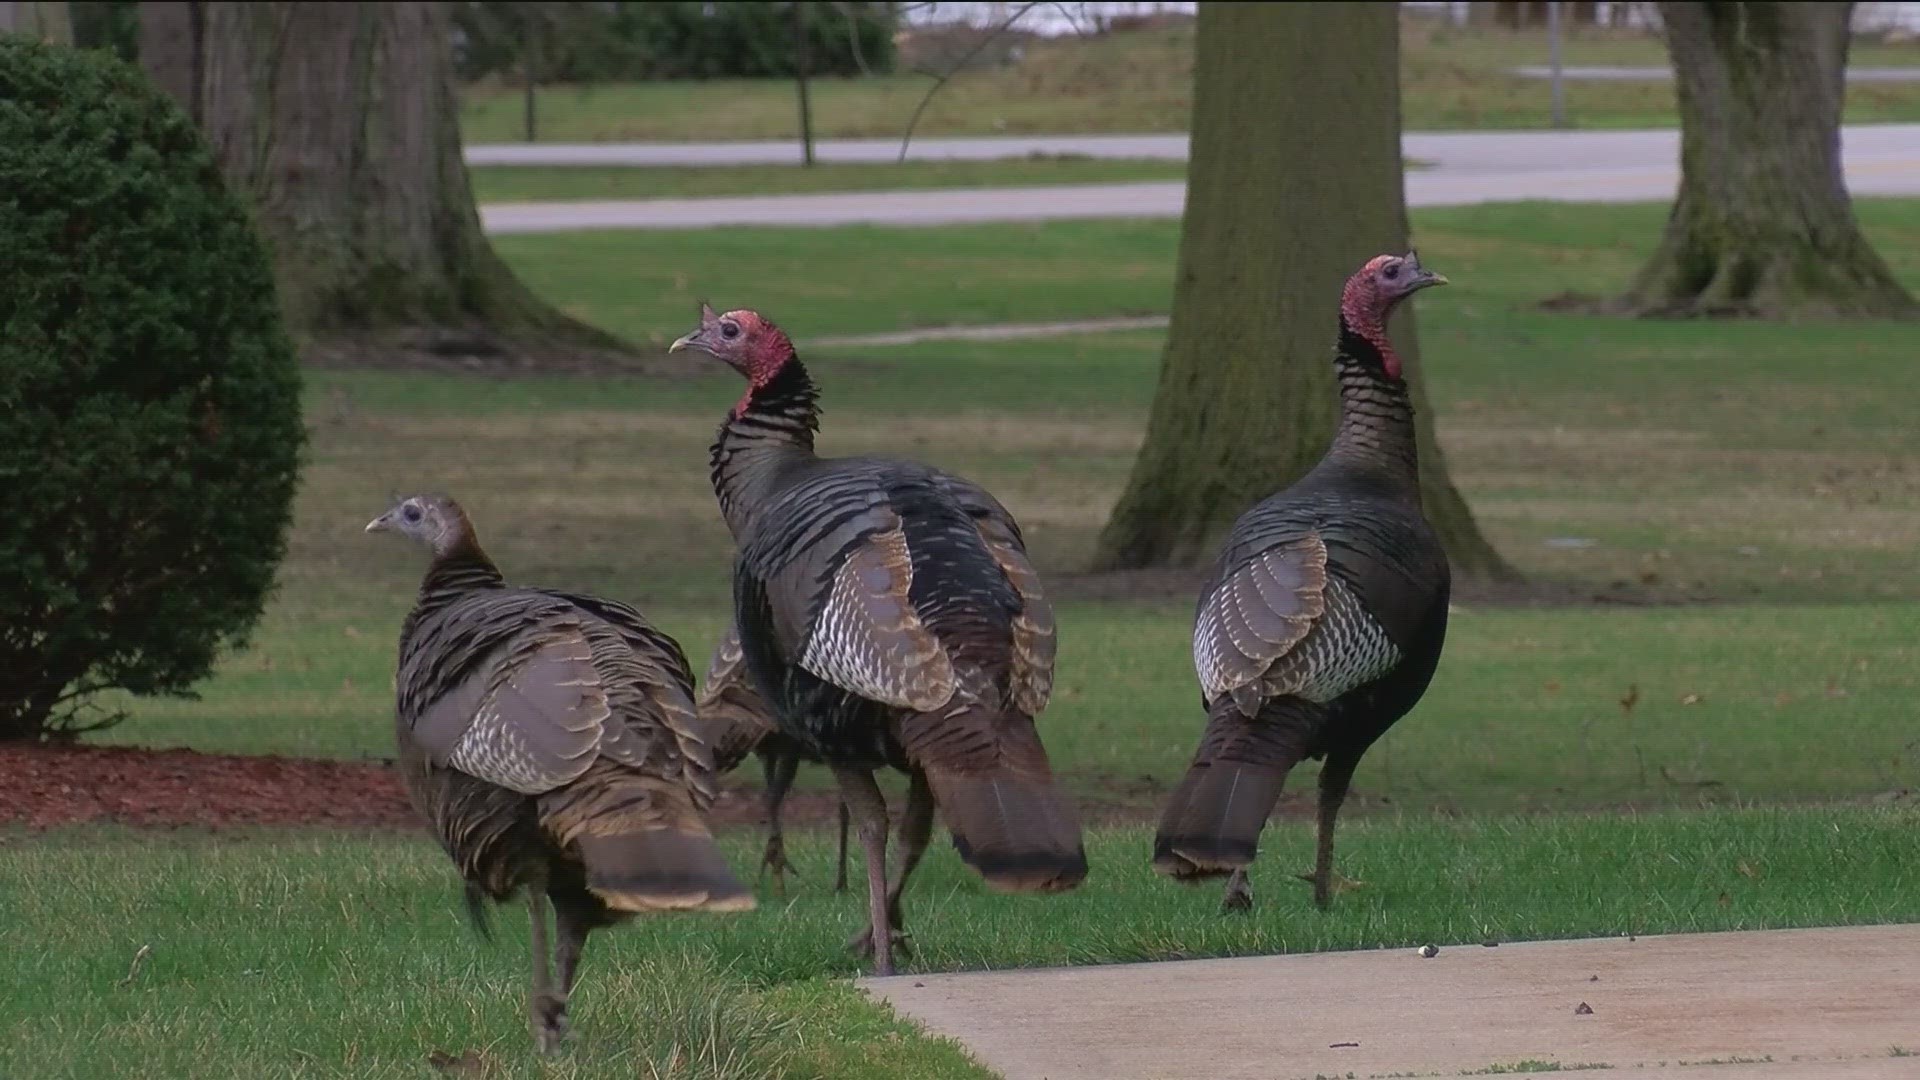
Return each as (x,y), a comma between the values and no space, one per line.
(340,120)
(45,23)
(1762,225)
(1294,182)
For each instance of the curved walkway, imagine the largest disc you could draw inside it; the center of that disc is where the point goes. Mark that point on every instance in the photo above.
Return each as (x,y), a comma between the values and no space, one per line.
(1829,1004)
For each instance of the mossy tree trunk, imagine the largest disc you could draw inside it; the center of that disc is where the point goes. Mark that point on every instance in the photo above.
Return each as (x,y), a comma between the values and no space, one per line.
(1763,225)
(1294,182)
(341,122)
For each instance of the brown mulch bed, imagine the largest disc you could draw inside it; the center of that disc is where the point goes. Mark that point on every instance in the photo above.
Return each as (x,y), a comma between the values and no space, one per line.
(44,787)
(49,786)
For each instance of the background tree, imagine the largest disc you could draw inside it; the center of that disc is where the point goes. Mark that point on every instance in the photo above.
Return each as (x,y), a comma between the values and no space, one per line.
(1762,225)
(340,122)
(150,428)
(44,22)
(1294,182)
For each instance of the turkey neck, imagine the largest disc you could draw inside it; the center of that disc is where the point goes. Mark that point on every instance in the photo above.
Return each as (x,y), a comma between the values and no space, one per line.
(767,435)
(1376,416)
(461,569)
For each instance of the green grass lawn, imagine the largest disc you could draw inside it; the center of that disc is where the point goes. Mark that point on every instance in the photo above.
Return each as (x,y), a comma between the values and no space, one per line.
(533,183)
(1731,461)
(517,183)
(295,955)
(1767,467)
(1133,83)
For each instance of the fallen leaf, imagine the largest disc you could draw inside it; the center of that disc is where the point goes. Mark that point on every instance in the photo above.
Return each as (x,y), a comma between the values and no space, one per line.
(1690,699)
(1633,698)
(1583,1009)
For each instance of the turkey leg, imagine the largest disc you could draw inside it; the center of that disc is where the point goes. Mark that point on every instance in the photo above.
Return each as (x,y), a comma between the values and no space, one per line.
(572,923)
(546,1010)
(1335,776)
(916,829)
(840,877)
(779,770)
(863,798)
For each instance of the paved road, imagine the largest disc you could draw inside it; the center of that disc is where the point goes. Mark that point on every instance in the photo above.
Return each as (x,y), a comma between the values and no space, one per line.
(1662,74)
(1567,149)
(1782,1005)
(845,151)
(1468,168)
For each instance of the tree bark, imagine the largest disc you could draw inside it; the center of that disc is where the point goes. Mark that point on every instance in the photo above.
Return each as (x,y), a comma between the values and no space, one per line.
(43,22)
(1295,180)
(340,120)
(1762,225)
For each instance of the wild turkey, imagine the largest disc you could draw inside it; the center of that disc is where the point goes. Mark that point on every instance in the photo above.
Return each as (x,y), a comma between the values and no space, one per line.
(1324,618)
(889,613)
(741,722)
(550,741)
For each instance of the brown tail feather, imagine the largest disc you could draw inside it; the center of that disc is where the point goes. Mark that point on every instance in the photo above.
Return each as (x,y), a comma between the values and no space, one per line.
(1019,832)
(997,795)
(1211,825)
(661,870)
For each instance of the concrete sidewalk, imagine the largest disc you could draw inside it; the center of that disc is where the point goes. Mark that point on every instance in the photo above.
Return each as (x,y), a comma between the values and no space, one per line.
(1771,1005)
(1475,167)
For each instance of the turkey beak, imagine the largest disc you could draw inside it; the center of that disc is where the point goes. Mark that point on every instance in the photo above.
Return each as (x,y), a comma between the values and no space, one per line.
(381,523)
(1422,277)
(685,341)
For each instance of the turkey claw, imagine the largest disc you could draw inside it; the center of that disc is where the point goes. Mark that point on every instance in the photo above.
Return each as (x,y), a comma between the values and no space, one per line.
(1336,884)
(1239,893)
(775,859)
(549,1021)
(862,944)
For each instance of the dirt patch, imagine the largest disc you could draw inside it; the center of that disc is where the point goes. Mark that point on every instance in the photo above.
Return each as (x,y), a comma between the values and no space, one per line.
(48,787)
(44,787)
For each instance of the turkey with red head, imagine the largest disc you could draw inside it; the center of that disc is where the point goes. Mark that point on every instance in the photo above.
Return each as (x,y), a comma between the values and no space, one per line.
(550,740)
(1323,621)
(890,615)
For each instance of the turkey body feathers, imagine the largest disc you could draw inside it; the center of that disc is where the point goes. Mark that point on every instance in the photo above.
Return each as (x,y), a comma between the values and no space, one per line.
(542,728)
(1323,620)
(890,614)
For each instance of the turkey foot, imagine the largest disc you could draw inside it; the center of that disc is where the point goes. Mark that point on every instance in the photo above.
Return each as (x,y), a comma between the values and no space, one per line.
(862,943)
(1336,883)
(548,1012)
(775,859)
(1239,893)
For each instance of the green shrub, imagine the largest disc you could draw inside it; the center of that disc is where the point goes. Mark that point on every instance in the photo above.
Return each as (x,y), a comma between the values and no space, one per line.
(620,42)
(150,429)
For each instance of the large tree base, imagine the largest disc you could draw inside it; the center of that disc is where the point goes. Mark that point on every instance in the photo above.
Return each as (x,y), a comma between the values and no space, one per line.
(1776,283)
